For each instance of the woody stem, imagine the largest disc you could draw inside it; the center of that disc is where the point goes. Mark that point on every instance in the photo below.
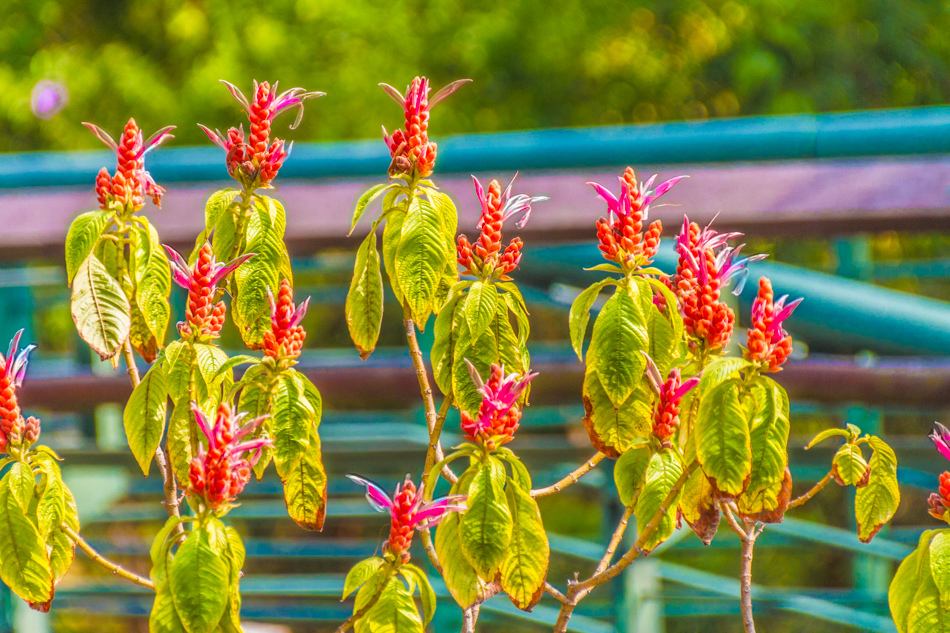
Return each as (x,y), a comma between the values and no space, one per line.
(811,493)
(99,559)
(571,478)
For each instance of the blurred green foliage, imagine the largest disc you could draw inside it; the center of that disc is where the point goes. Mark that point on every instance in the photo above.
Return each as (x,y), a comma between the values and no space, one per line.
(536,63)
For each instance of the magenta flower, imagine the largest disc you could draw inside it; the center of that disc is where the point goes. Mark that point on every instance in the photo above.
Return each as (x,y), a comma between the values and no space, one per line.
(633,198)
(510,205)
(184,274)
(728,265)
(941,439)
(779,313)
(14,364)
(269,103)
(501,391)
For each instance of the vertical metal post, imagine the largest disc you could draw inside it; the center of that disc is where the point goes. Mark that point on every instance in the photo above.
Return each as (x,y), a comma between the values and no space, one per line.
(854,258)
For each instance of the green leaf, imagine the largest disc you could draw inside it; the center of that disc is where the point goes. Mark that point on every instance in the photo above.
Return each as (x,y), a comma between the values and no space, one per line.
(662,472)
(199,578)
(209,359)
(181,438)
(51,502)
(510,353)
(620,335)
(824,435)
(613,428)
(178,364)
(443,345)
(719,371)
(222,239)
(144,416)
(481,352)
(698,506)
(460,577)
(607,268)
(515,303)
(394,612)
(24,566)
(580,314)
(525,568)
(152,281)
(904,585)
(664,346)
(62,548)
(164,618)
(630,470)
(366,199)
(486,526)
(231,363)
(930,612)
(293,420)
(392,235)
(940,562)
(769,436)
(216,206)
(426,593)
(479,307)
(444,206)
(420,258)
(255,400)
(360,574)
(723,440)
(849,466)
(364,301)
(876,503)
(250,309)
(671,313)
(305,488)
(83,234)
(100,309)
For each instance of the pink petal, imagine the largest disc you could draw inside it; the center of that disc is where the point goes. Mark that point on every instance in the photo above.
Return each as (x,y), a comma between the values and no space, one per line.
(686,386)
(226,269)
(653,373)
(215,137)
(662,189)
(157,139)
(612,202)
(394,94)
(103,136)
(447,91)
(480,193)
(300,313)
(376,496)
(181,271)
(238,95)
(203,423)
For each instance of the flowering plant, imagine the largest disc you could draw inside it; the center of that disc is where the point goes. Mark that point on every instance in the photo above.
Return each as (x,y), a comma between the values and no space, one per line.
(697,434)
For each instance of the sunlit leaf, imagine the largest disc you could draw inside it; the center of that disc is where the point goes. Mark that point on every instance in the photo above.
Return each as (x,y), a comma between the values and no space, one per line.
(83,234)
(525,568)
(723,439)
(662,472)
(876,503)
(100,308)
(364,301)
(486,526)
(144,416)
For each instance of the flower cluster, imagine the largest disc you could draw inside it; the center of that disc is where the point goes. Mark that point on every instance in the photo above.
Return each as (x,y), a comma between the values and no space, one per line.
(706,266)
(940,501)
(218,475)
(498,414)
(769,344)
(621,235)
(14,430)
(131,183)
(408,511)
(202,319)
(255,162)
(410,149)
(484,258)
(286,337)
(666,414)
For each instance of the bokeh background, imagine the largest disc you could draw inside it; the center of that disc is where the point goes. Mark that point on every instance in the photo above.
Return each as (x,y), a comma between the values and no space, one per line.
(536,64)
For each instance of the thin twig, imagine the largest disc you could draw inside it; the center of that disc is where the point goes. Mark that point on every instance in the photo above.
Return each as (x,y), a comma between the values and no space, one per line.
(731,520)
(171,502)
(554,593)
(434,451)
(430,550)
(615,539)
(99,559)
(811,493)
(570,479)
(469,618)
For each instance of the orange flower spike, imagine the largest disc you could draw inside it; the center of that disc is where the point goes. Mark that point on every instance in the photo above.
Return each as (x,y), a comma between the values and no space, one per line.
(768,343)
(286,337)
(131,183)
(12,371)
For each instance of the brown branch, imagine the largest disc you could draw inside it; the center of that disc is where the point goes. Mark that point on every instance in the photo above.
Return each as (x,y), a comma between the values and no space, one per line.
(745,576)
(570,479)
(434,450)
(419,364)
(99,559)
(430,550)
(731,520)
(615,539)
(577,590)
(811,493)
(469,618)
(554,593)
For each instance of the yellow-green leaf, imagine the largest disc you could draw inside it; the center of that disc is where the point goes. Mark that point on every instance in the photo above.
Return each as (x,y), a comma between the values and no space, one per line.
(394,611)
(443,346)
(305,488)
(293,420)
(250,309)
(460,577)
(769,436)
(100,308)
(723,439)
(580,314)
(525,568)
(698,506)
(178,365)
(81,239)
(361,573)
(392,235)
(181,438)
(612,428)
(24,566)
(365,200)
(620,335)
(629,472)
(144,416)
(426,594)
(152,281)
(486,526)
(876,503)
(199,577)
(849,466)
(662,472)
(479,307)
(364,301)
(420,258)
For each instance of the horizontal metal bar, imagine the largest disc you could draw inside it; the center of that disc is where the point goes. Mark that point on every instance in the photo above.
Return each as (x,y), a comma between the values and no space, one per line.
(908,131)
